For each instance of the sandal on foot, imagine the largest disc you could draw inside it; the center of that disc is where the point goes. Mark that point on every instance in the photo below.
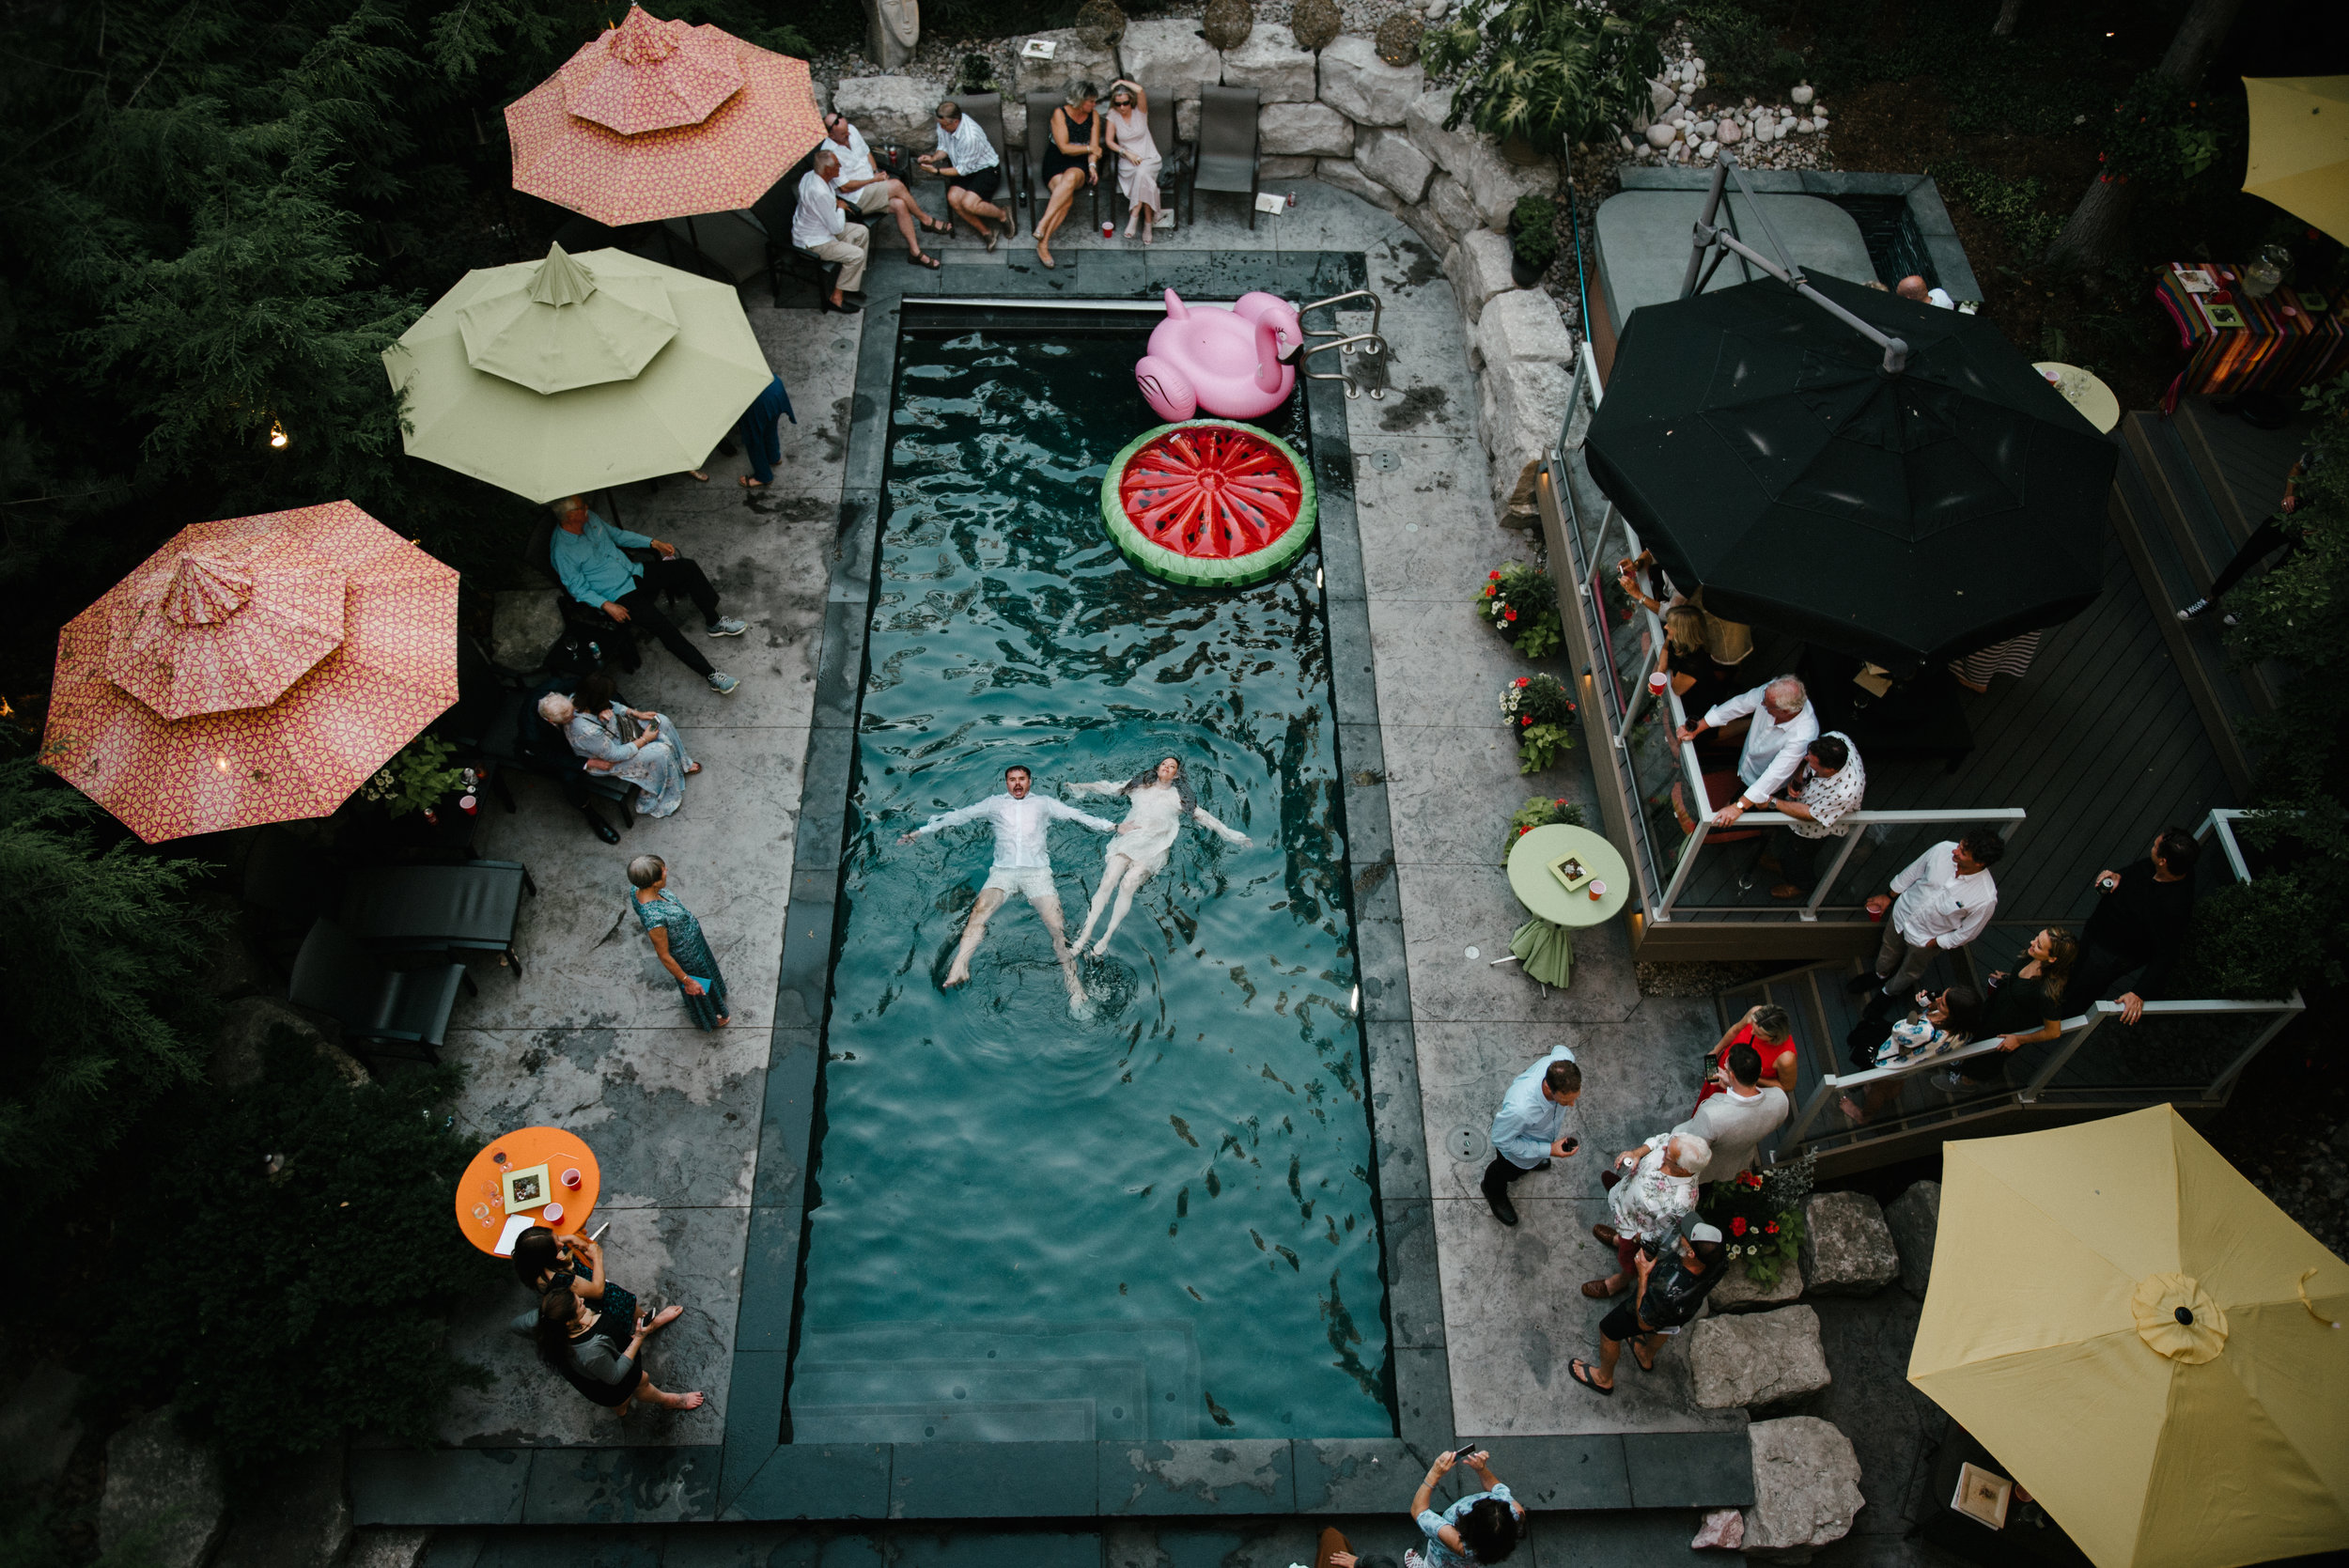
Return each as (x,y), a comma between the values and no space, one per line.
(937,226)
(1647,1365)
(991,241)
(923,258)
(1580,1371)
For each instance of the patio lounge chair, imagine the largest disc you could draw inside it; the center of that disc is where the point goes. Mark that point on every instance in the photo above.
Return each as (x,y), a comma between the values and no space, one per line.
(1040,107)
(1227,156)
(617,639)
(374,1002)
(438,908)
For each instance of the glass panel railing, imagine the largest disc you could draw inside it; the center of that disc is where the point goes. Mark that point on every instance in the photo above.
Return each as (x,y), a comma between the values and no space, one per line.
(2176,1049)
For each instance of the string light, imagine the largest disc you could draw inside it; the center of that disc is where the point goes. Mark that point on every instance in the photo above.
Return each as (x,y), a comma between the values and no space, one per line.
(277,435)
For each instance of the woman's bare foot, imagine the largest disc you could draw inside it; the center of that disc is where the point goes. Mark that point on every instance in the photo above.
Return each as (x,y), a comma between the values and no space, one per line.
(696,769)
(957,974)
(1850,1107)
(1044,254)
(683,1402)
(724,1021)
(665,1317)
(749,484)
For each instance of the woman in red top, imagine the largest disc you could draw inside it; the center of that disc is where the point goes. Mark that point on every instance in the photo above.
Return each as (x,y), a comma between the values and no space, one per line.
(1769,1031)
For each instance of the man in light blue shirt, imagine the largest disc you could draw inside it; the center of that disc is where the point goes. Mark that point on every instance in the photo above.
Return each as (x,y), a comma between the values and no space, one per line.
(589,556)
(1529,1129)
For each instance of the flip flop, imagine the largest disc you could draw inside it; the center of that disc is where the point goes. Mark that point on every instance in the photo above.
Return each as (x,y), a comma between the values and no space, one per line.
(1643,1366)
(1580,1371)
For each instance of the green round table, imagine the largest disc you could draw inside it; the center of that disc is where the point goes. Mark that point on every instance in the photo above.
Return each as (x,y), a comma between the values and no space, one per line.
(1542,943)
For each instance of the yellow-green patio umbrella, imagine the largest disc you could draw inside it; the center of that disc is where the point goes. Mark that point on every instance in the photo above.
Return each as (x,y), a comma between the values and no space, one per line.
(2144,1340)
(2300,147)
(558,377)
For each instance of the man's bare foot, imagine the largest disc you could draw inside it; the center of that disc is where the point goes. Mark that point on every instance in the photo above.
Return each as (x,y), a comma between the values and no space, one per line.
(957,974)
(665,1317)
(697,473)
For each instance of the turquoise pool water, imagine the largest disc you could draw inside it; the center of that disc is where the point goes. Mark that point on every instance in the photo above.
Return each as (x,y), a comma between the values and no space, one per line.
(1157,1221)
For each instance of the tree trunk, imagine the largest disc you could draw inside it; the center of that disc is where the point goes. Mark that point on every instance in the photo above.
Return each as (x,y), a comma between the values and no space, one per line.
(2008,11)
(2092,236)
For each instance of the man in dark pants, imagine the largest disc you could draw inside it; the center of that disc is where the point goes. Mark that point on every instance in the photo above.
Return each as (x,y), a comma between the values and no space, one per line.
(589,557)
(1529,1128)
(1671,1292)
(2140,922)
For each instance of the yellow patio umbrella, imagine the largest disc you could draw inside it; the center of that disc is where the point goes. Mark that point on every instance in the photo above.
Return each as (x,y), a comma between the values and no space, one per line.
(2144,1340)
(558,377)
(2300,147)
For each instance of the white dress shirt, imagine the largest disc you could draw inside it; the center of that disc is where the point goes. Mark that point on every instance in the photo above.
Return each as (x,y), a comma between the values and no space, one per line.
(966,149)
(856,159)
(1938,907)
(1019,827)
(818,218)
(1773,750)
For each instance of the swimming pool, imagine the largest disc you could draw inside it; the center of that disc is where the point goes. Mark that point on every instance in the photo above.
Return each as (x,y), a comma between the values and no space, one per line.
(1159,1220)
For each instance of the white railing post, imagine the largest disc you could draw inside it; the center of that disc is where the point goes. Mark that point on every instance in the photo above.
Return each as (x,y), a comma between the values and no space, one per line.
(2223,1083)
(2096,1015)
(1834,873)
(1663,911)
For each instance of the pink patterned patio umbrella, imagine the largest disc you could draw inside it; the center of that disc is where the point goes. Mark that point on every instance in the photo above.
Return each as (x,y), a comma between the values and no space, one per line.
(254,670)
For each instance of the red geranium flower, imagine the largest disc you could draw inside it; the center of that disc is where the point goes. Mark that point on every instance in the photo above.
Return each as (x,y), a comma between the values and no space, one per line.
(1527,720)
(1495,577)
(1737,1226)
(1772,1227)
(1523,681)
(1508,615)
(1489,591)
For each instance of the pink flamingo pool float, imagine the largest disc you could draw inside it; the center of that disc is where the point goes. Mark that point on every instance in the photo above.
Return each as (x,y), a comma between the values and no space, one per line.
(1223,362)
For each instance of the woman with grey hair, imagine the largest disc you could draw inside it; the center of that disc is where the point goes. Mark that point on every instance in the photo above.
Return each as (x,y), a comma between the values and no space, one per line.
(631,743)
(1072,159)
(677,942)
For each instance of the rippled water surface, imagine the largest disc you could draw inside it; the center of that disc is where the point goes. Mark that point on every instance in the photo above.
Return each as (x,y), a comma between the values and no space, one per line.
(1157,1221)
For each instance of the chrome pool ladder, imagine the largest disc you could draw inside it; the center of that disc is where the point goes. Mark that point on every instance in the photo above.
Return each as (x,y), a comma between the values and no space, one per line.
(1345,343)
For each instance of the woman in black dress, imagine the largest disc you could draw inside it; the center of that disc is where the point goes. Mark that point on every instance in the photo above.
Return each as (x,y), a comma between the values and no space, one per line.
(1072,159)
(2024,1006)
(595,1345)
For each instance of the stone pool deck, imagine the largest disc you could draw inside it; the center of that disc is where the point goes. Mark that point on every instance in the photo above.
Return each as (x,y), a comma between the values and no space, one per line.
(1483,1319)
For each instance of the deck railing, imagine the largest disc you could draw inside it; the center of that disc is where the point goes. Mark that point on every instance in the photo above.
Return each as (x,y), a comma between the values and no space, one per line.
(1638,728)
(2186,1052)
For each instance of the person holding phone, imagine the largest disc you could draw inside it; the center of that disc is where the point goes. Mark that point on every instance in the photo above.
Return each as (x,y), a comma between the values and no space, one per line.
(1674,1282)
(1482,1527)
(1529,1129)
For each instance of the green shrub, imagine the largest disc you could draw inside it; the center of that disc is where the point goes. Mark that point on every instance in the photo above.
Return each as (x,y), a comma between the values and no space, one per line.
(2011,205)
(308,1256)
(99,951)
(1540,812)
(1533,230)
(1552,72)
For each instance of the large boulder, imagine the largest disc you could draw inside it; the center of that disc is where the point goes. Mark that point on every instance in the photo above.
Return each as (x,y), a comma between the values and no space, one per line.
(1449,199)
(1169,58)
(1346,175)
(1756,1359)
(1522,324)
(1738,1292)
(1495,182)
(898,109)
(159,1481)
(1847,1247)
(1271,63)
(1523,404)
(1423,221)
(1390,158)
(302,1520)
(1285,167)
(1806,1487)
(388,1548)
(1914,1218)
(37,1427)
(1478,267)
(1073,60)
(1423,123)
(1363,87)
(524,624)
(1303,130)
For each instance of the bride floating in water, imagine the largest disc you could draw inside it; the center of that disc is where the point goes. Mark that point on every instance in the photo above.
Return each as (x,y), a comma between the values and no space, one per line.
(1160,797)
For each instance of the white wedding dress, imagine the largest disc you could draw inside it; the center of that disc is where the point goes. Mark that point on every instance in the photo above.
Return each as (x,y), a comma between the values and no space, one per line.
(1156,813)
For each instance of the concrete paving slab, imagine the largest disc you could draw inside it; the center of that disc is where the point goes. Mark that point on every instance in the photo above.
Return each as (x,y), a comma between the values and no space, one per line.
(1450,908)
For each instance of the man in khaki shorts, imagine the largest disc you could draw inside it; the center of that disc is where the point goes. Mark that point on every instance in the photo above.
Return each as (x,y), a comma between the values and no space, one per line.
(1023,865)
(821,226)
(863,186)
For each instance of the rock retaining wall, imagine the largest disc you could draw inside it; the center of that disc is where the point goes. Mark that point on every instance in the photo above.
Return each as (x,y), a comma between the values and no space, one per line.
(1376,131)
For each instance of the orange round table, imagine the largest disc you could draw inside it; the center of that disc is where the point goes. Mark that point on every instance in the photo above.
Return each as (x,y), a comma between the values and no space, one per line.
(481,1194)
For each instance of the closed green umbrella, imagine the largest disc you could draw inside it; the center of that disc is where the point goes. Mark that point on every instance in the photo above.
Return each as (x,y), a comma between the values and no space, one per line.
(558,377)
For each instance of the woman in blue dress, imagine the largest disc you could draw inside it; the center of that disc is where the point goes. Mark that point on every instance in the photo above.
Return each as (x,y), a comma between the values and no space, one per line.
(599,727)
(677,941)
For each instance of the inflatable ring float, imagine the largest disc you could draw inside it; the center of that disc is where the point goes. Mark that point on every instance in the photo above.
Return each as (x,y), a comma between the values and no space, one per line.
(1210,504)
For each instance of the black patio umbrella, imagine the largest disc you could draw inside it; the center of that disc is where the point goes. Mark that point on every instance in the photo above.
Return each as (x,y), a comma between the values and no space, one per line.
(1763,451)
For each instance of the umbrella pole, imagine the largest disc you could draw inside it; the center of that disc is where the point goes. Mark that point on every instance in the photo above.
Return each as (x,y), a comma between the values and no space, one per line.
(1701,240)
(1895,350)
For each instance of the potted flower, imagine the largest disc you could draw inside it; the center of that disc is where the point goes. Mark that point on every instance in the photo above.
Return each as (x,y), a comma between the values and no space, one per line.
(418,778)
(1760,1216)
(1540,812)
(1532,239)
(1520,602)
(1541,712)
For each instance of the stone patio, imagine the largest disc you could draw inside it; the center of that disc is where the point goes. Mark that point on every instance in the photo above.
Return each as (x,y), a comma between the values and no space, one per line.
(593,1038)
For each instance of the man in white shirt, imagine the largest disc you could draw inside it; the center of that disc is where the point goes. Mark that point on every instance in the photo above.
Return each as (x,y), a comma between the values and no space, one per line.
(1784,726)
(821,226)
(1913,287)
(1946,900)
(863,186)
(1024,865)
(968,162)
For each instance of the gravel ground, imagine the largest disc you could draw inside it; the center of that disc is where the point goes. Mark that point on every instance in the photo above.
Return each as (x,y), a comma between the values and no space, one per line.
(1698,980)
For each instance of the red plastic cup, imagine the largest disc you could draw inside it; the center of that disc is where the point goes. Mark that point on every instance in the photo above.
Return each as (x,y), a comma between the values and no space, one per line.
(570,1179)
(467,804)
(1599,891)
(551,1214)
(1109,229)
(1879,915)
(1658,683)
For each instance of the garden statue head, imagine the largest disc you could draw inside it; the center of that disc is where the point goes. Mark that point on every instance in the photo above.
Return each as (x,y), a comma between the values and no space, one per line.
(647,871)
(1015,782)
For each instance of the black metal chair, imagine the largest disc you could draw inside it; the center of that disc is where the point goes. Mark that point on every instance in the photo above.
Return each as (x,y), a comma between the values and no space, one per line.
(1228,159)
(539,748)
(1174,159)
(376,1004)
(617,639)
(987,109)
(1040,107)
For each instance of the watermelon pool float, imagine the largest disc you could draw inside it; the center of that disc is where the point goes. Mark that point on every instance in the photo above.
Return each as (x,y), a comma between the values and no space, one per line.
(1208,504)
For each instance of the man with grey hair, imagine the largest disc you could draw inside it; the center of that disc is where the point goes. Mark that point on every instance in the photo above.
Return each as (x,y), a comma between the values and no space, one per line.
(1651,1190)
(966,161)
(1783,726)
(821,226)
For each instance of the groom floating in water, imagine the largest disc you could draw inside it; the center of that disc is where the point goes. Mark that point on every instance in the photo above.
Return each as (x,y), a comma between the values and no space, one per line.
(1023,865)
